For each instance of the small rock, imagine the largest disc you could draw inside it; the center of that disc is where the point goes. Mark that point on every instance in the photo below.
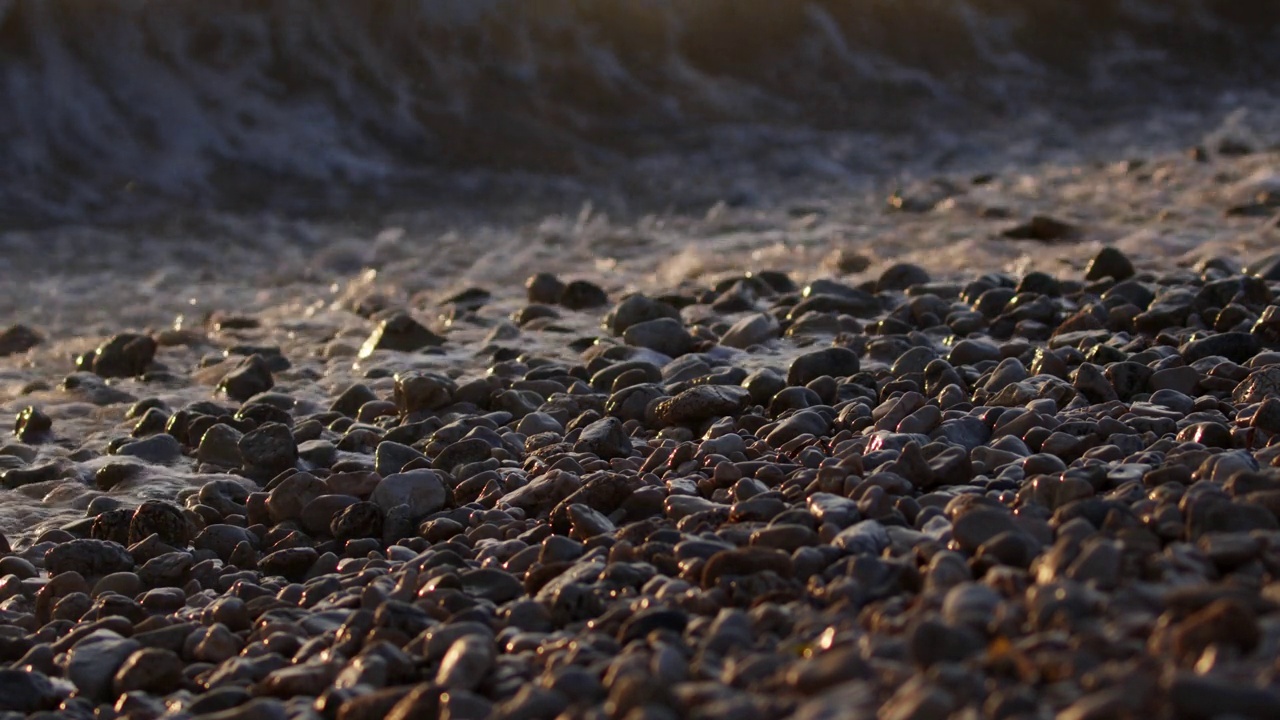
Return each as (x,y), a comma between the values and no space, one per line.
(89,558)
(291,563)
(423,391)
(755,329)
(1258,386)
(250,377)
(401,333)
(160,449)
(901,276)
(32,425)
(544,288)
(702,402)
(94,661)
(125,355)
(836,362)
(1109,262)
(154,670)
(18,339)
(269,448)
(582,295)
(635,309)
(664,335)
(358,520)
(166,520)
(26,691)
(422,490)
(220,446)
(604,438)
(1044,229)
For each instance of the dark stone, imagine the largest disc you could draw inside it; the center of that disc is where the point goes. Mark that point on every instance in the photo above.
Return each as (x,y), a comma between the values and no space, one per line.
(582,295)
(32,425)
(836,362)
(1043,229)
(1109,262)
(18,339)
(702,402)
(417,391)
(156,517)
(635,309)
(26,691)
(269,448)
(901,276)
(544,288)
(1237,347)
(290,563)
(250,377)
(664,335)
(463,452)
(125,355)
(89,558)
(358,520)
(401,333)
(351,399)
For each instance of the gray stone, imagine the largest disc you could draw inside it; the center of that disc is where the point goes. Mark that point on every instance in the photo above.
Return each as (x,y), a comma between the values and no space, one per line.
(867,537)
(754,329)
(159,449)
(664,335)
(604,438)
(422,490)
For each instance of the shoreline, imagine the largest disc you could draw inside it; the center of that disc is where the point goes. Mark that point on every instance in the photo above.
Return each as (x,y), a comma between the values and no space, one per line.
(825,458)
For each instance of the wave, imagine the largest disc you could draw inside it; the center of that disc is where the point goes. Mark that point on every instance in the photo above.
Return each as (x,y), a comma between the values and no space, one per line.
(119,104)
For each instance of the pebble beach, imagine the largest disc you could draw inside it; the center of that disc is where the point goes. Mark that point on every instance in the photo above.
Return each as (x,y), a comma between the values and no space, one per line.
(996,445)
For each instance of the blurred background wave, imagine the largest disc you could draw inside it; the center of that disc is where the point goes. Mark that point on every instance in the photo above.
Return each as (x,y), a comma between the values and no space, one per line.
(116,107)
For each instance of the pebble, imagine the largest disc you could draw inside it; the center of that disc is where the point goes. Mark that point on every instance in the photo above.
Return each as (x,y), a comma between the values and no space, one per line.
(18,338)
(754,329)
(670,507)
(88,558)
(421,490)
(250,377)
(157,449)
(700,403)
(1109,263)
(94,660)
(401,333)
(834,362)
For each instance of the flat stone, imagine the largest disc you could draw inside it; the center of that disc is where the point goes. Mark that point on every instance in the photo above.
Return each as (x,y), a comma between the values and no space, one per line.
(160,449)
(754,329)
(604,438)
(702,402)
(89,558)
